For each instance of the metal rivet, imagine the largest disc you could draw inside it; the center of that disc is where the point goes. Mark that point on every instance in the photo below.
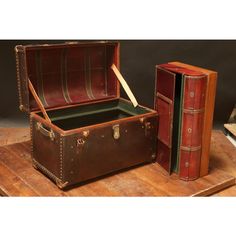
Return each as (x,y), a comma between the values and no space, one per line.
(80,141)
(189,130)
(86,133)
(186,164)
(141,120)
(21,107)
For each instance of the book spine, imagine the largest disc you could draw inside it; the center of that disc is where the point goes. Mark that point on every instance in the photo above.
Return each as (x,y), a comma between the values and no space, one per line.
(192,111)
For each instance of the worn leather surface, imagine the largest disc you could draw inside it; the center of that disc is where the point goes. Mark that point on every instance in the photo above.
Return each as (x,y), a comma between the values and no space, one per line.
(192,126)
(22,83)
(68,74)
(192,115)
(181,70)
(44,150)
(164,99)
(208,115)
(94,152)
(189,164)
(101,153)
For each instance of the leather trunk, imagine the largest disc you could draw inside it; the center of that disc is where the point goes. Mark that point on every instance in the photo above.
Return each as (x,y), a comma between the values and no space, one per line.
(92,132)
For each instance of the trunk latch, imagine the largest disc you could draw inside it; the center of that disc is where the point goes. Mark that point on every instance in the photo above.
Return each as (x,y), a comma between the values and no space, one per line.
(116,131)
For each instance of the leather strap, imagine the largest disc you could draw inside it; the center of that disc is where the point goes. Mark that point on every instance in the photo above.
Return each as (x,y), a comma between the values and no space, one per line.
(124,85)
(38,101)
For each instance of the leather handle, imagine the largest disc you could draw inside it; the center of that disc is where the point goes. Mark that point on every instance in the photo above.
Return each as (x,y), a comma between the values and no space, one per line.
(44,131)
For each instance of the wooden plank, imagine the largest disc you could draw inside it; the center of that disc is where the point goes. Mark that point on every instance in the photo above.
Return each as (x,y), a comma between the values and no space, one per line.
(17,174)
(13,135)
(17,158)
(223,153)
(13,185)
(227,162)
(227,192)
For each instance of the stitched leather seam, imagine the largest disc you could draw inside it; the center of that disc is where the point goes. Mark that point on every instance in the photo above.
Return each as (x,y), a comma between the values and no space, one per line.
(18,76)
(31,137)
(46,171)
(61,157)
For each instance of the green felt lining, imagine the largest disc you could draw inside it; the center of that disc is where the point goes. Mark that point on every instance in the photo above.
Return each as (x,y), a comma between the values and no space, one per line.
(85,115)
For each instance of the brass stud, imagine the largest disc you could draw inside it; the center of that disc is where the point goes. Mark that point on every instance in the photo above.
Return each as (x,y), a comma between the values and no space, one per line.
(21,107)
(80,141)
(86,133)
(141,120)
(191,94)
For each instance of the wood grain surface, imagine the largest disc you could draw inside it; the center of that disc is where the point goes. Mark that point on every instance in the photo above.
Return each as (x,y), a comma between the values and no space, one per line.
(223,156)
(19,178)
(13,135)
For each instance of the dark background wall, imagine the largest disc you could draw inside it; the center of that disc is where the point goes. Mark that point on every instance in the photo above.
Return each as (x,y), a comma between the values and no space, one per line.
(138,60)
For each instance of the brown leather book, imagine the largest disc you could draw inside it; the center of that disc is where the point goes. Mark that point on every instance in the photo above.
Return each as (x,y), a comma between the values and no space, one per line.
(181,119)
(208,116)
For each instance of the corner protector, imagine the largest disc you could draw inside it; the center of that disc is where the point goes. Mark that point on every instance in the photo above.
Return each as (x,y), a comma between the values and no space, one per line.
(60,184)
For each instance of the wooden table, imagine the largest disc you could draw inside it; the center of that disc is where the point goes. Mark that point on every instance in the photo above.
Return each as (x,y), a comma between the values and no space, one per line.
(19,178)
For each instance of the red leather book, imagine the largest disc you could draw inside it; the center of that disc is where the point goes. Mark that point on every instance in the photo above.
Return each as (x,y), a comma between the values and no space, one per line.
(180,104)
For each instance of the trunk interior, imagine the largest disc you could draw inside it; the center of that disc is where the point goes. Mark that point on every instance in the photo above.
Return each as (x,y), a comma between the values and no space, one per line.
(91,114)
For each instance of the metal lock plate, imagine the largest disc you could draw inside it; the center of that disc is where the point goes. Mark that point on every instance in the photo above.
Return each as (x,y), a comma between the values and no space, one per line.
(116,131)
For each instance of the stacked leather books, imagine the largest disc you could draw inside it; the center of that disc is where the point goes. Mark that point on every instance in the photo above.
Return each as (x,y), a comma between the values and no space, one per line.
(184,99)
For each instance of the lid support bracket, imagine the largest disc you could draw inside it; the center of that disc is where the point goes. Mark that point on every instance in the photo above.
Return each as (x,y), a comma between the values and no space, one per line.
(124,85)
(38,101)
